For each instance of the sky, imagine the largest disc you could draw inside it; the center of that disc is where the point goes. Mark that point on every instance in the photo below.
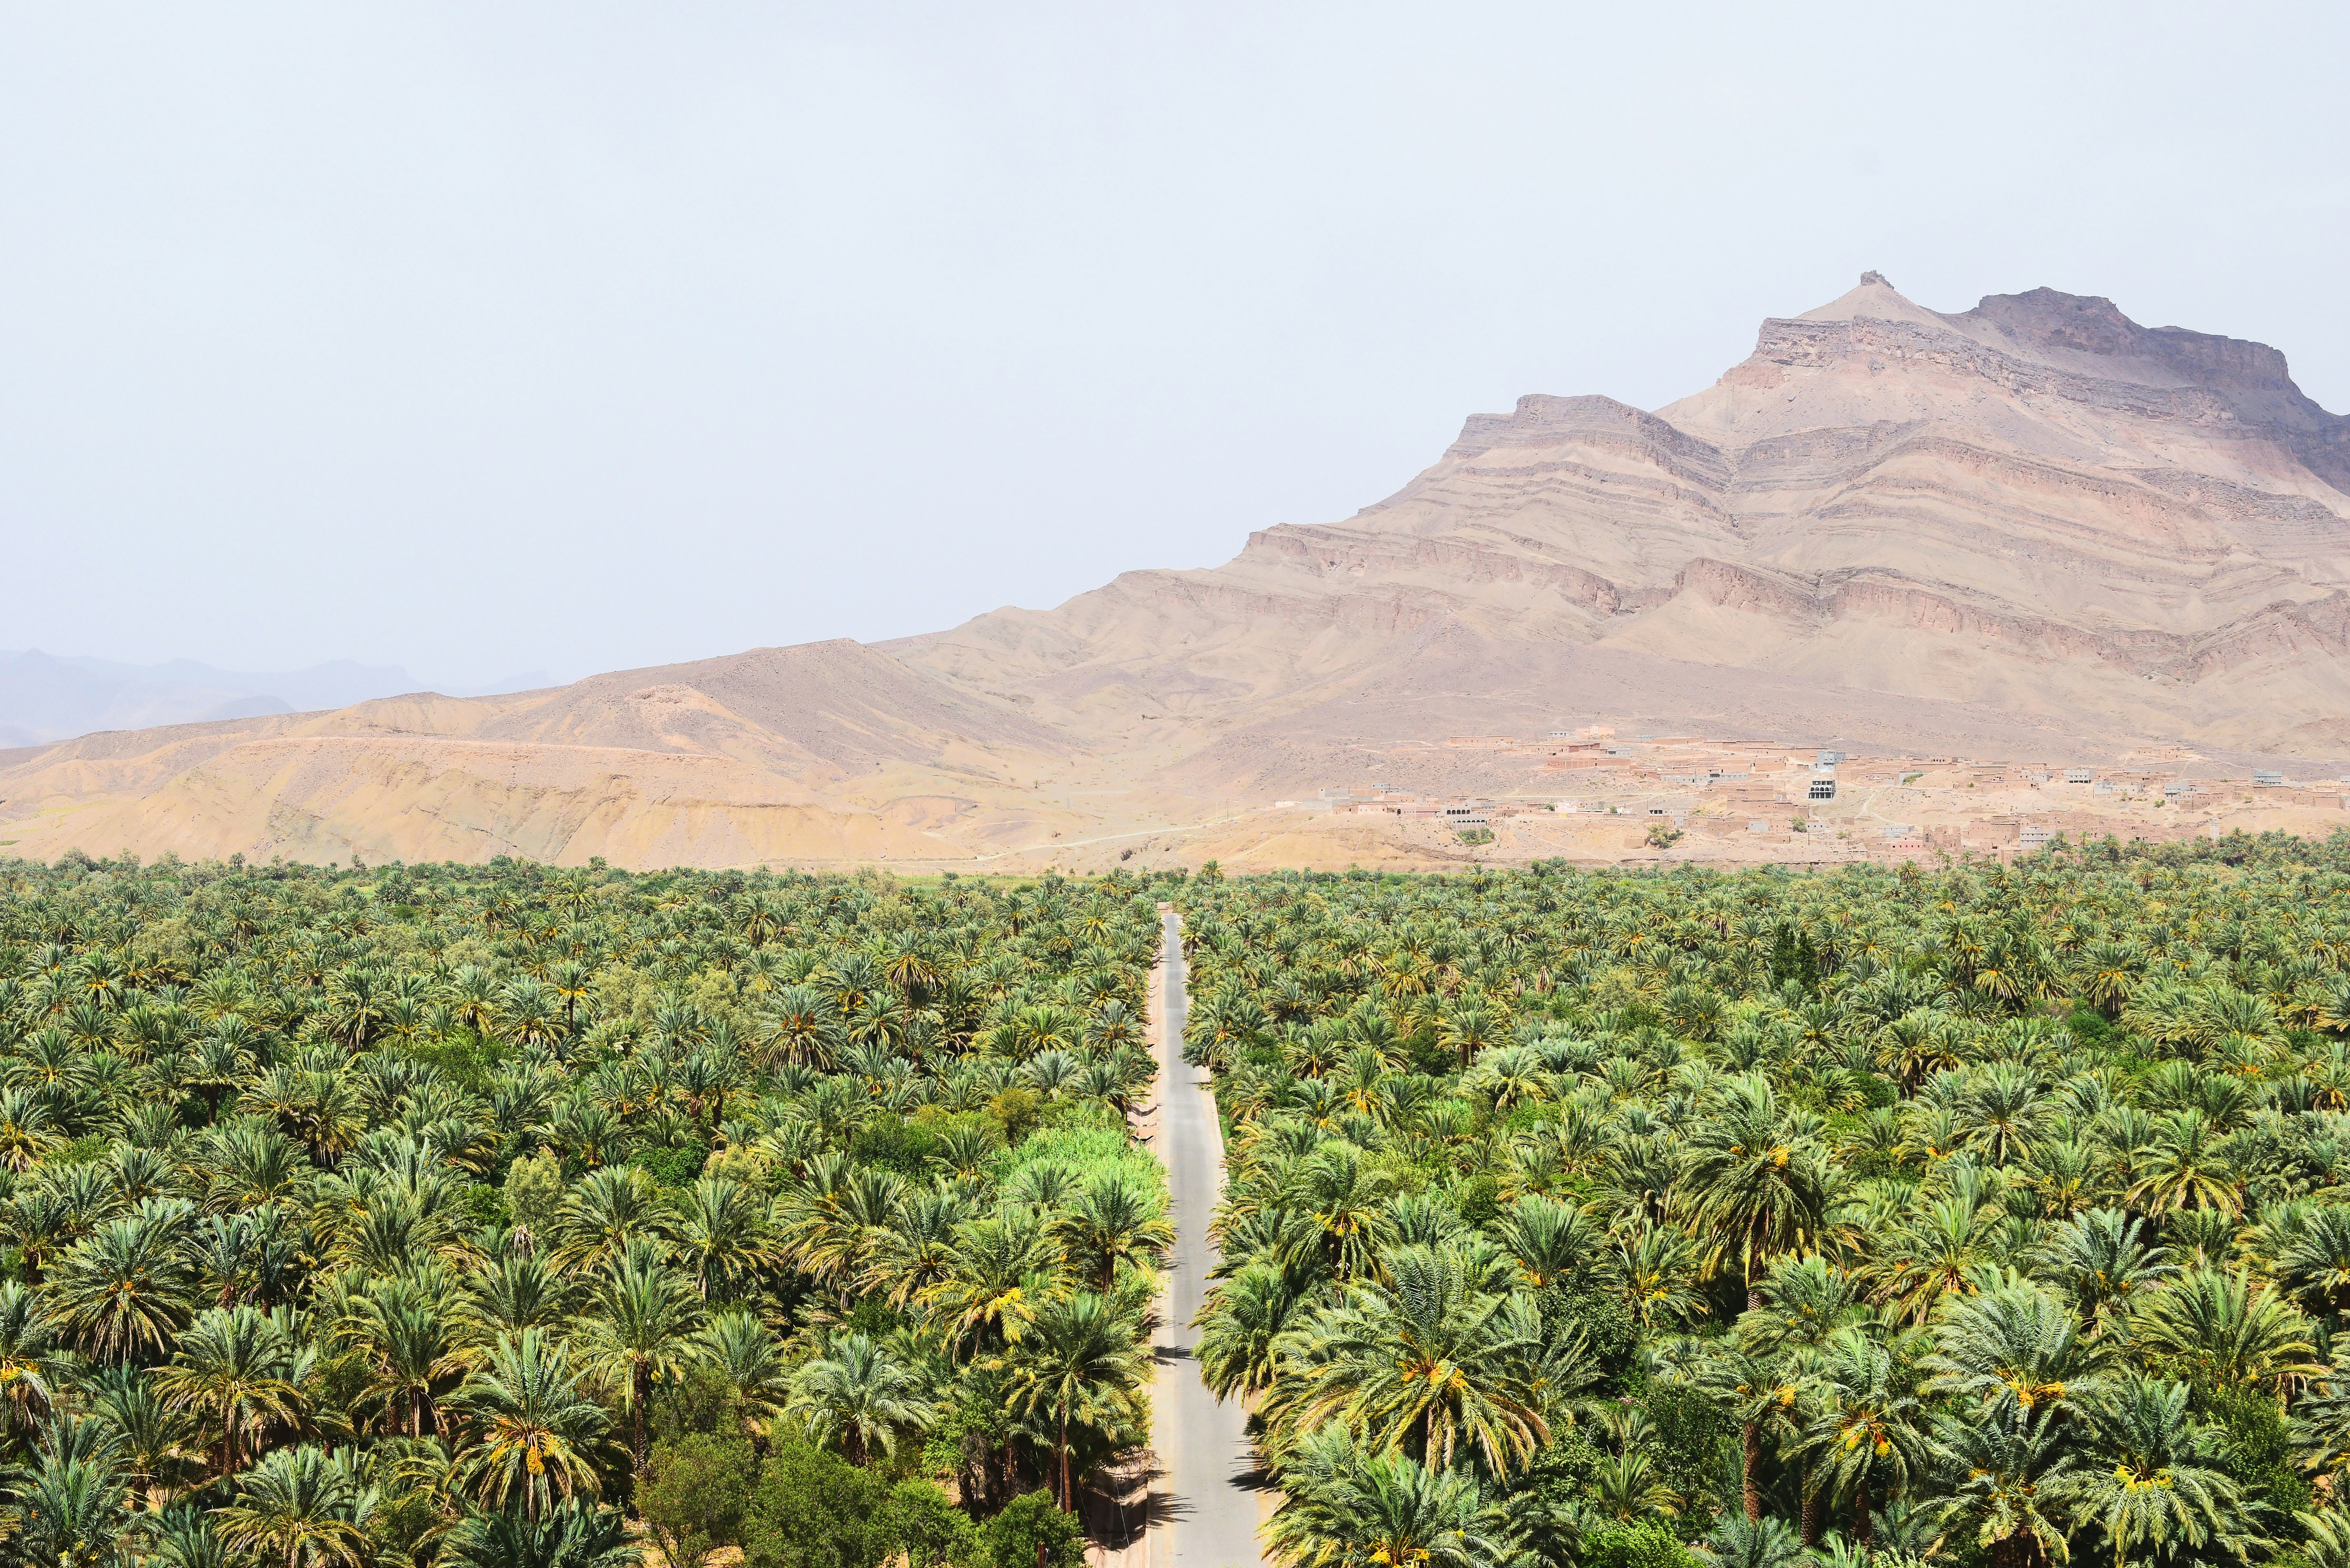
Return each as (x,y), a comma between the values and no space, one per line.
(536,337)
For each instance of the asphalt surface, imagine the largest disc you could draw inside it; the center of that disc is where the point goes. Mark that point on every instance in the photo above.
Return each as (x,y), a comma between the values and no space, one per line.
(1210,1507)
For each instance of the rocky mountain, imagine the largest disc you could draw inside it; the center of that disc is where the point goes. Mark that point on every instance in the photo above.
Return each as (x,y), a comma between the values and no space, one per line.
(2031,523)
(2036,509)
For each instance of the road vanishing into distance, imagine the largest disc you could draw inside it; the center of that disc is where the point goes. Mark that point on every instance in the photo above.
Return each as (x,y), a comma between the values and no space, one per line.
(1210,1507)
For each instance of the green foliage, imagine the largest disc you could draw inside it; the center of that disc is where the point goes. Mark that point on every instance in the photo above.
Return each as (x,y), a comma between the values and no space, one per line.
(1996,1151)
(1650,1544)
(675,1166)
(696,1403)
(534,1193)
(375,1211)
(1011,1539)
(1091,1149)
(2089,1026)
(696,1495)
(814,1510)
(1578,1307)
(894,1142)
(1016,1110)
(924,1523)
(462,1057)
(1477,1200)
(2258,1454)
(1892,1200)
(1696,1440)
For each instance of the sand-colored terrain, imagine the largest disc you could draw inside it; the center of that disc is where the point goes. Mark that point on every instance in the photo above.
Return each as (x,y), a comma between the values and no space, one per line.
(2030,531)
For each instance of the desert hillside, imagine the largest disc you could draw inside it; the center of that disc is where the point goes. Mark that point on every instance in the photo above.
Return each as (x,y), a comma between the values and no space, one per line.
(2037,509)
(2034,529)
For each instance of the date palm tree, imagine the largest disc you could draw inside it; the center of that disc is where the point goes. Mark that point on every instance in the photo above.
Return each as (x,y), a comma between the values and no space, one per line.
(1466,1030)
(857,1393)
(1759,1183)
(2016,1354)
(1551,1239)
(27,1129)
(2155,1481)
(240,1368)
(603,1213)
(573,1533)
(1345,1195)
(122,1291)
(1762,1392)
(1346,1505)
(185,1537)
(833,1223)
(2313,1265)
(916,1252)
(161,1449)
(1115,1221)
(29,1359)
(528,1434)
(2105,1260)
(407,1334)
(297,1506)
(1625,1487)
(1867,1437)
(71,1503)
(1243,1322)
(723,1236)
(641,1323)
(1081,1357)
(1937,1253)
(2005,1482)
(999,1272)
(2187,1165)
(745,1352)
(518,1290)
(2229,1328)
(1746,1540)
(1431,1366)
(1654,1269)
(798,1026)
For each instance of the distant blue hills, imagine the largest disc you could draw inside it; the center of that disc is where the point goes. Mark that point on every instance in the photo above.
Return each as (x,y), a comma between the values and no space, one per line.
(48,697)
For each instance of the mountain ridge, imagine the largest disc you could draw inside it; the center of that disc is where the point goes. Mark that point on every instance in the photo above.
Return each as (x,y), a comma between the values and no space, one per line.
(2035,519)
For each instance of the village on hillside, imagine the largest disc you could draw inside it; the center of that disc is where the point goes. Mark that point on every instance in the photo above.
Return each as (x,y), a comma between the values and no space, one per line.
(1592,793)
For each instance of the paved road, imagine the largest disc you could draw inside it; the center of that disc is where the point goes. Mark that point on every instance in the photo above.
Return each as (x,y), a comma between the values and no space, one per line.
(1203,1446)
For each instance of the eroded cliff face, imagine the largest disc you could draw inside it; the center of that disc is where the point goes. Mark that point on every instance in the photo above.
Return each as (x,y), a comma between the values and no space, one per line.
(2029,522)
(2036,505)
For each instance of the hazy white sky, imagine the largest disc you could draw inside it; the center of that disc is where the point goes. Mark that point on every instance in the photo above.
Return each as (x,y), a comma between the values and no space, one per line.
(485,338)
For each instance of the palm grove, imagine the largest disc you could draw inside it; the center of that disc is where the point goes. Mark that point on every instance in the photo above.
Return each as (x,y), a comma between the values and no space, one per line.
(1994,1215)
(451,1215)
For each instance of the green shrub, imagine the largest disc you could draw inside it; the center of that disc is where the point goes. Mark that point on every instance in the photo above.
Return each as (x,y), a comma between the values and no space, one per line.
(1647,1544)
(693,1496)
(814,1510)
(896,1144)
(1010,1539)
(1016,1110)
(924,1523)
(700,1401)
(465,1059)
(534,1193)
(1479,1198)
(672,1168)
(1090,1149)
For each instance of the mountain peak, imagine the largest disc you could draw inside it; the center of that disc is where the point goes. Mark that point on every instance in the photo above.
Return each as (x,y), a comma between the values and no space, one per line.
(1875,299)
